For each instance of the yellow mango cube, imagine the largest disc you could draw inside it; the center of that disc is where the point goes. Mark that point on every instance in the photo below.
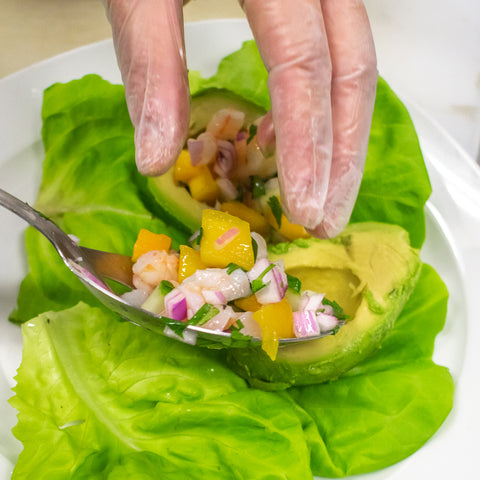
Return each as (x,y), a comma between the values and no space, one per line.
(249,304)
(290,231)
(258,223)
(189,262)
(148,241)
(276,321)
(184,171)
(203,186)
(225,239)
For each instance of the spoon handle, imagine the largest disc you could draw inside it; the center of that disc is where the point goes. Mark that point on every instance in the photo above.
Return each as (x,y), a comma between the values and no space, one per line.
(65,246)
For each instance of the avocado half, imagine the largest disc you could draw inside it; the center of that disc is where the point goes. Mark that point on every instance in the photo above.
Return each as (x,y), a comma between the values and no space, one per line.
(370,270)
(175,201)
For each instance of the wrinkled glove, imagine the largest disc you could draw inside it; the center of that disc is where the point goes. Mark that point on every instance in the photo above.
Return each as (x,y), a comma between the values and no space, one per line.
(322,81)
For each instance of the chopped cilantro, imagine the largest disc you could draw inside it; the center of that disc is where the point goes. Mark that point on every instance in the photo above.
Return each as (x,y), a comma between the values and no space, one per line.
(231,267)
(335,329)
(258,283)
(238,325)
(252,131)
(255,249)
(257,185)
(274,204)
(337,309)
(165,287)
(294,283)
(240,192)
(204,314)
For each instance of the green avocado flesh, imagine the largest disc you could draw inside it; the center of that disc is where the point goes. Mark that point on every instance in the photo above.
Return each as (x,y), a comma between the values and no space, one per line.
(174,200)
(176,203)
(370,270)
(205,104)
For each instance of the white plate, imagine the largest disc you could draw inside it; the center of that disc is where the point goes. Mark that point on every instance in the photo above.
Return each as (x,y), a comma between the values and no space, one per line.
(452,246)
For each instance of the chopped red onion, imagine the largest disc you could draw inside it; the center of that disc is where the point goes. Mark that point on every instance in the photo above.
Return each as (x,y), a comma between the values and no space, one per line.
(311,301)
(176,305)
(328,309)
(275,281)
(305,324)
(194,302)
(228,189)
(261,245)
(203,149)
(242,135)
(226,159)
(280,279)
(260,265)
(326,322)
(214,297)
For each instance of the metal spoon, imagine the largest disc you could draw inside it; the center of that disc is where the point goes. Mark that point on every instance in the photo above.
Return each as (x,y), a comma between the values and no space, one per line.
(92,267)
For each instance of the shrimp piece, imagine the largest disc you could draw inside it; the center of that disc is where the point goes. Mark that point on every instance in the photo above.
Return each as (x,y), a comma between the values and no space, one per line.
(216,286)
(226,123)
(153,267)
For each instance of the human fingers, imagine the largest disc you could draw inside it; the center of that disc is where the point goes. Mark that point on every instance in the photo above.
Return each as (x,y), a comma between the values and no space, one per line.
(292,42)
(148,39)
(353,88)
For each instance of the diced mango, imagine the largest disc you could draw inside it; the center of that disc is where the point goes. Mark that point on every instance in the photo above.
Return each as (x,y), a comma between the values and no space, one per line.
(203,186)
(290,231)
(147,241)
(276,321)
(249,304)
(258,223)
(225,239)
(183,170)
(189,262)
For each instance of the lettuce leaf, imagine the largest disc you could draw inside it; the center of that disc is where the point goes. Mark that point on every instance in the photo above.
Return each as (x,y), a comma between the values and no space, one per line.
(128,403)
(389,405)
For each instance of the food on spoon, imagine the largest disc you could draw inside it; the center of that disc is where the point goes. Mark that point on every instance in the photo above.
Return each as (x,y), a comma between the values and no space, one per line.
(226,282)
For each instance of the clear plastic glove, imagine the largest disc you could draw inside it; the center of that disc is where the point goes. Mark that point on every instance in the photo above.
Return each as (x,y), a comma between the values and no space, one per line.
(322,81)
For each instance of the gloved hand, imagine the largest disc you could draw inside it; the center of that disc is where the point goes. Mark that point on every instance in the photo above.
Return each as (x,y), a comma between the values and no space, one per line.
(322,81)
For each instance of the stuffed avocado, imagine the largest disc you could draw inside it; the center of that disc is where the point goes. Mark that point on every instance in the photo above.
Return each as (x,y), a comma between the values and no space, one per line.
(370,269)
(225,165)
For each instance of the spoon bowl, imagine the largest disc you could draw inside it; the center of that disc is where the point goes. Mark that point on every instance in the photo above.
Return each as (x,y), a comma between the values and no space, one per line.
(93,267)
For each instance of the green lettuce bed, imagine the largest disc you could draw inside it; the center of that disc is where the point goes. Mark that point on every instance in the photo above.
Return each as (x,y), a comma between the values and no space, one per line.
(99,398)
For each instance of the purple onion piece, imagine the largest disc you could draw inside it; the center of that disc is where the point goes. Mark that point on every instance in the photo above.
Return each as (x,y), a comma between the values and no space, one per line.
(226,159)
(305,324)
(326,322)
(176,305)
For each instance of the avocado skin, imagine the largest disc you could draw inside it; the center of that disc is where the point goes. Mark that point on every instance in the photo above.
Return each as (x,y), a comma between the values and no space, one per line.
(173,202)
(387,269)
